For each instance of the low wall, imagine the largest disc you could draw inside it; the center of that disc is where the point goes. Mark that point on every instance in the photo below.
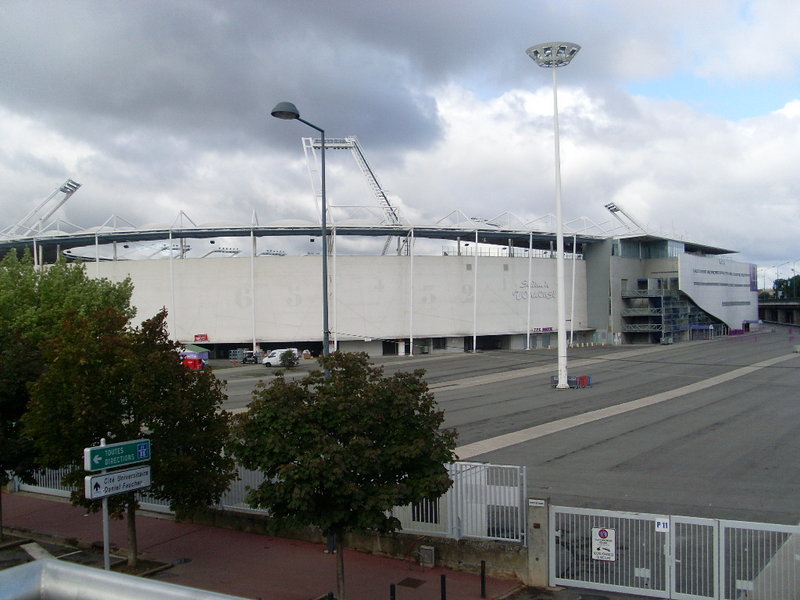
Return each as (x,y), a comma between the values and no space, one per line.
(504,560)
(508,561)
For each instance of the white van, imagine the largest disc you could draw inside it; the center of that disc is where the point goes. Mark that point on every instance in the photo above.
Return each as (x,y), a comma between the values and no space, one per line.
(273,359)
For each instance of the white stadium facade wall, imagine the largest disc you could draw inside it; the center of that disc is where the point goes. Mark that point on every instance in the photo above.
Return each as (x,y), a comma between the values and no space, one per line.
(278,299)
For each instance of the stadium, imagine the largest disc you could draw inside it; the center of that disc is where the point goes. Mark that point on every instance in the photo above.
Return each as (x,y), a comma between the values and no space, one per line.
(460,284)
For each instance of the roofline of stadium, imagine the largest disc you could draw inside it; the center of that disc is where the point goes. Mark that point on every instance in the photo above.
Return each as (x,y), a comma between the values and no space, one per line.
(53,242)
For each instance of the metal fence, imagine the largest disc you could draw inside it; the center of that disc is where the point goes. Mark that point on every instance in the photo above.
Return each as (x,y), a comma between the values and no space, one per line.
(760,561)
(49,482)
(677,557)
(608,551)
(485,502)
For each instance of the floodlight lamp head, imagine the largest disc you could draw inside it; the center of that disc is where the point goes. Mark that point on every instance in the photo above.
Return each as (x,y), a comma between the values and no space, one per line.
(285,110)
(69,187)
(553,54)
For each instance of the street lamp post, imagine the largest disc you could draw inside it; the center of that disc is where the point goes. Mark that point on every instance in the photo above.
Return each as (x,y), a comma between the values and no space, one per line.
(288,111)
(552,55)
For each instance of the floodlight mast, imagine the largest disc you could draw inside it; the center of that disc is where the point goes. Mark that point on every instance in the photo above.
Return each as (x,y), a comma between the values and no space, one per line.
(552,55)
(35,220)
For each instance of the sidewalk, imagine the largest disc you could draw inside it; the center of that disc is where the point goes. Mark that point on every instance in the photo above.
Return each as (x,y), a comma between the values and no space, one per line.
(246,564)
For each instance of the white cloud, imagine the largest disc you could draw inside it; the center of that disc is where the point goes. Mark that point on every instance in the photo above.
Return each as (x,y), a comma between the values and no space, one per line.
(668,165)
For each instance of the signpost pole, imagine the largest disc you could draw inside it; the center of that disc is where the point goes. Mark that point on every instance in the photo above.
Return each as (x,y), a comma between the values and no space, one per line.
(106,554)
(108,483)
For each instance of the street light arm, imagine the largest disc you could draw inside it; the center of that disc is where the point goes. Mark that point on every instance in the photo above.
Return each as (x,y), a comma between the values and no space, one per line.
(320,129)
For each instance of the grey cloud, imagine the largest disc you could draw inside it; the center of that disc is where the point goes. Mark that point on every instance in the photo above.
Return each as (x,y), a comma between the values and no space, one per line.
(208,72)
(203,72)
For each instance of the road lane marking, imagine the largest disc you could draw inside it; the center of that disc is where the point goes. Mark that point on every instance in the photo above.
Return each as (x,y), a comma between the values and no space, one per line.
(531,433)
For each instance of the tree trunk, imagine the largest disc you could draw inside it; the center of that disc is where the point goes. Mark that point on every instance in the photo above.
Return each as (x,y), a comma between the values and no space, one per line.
(133,547)
(338,540)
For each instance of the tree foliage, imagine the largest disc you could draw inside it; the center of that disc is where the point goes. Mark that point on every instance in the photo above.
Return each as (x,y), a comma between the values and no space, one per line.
(289,359)
(787,288)
(107,380)
(342,446)
(34,302)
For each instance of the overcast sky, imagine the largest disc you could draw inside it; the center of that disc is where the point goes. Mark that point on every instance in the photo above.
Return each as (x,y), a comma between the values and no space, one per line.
(685,113)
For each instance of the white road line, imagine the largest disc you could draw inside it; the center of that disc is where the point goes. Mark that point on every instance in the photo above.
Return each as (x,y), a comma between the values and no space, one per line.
(531,433)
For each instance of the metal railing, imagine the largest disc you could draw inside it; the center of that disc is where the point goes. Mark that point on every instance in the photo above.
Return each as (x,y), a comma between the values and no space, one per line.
(642,327)
(485,501)
(650,293)
(641,312)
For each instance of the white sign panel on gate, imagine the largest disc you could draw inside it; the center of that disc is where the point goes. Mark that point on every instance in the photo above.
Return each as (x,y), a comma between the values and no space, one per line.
(604,544)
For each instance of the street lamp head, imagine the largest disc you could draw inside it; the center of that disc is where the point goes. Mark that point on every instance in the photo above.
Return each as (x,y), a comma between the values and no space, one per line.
(285,110)
(553,54)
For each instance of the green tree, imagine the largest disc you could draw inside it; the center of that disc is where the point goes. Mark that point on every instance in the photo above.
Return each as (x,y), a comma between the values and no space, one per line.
(340,448)
(33,304)
(17,454)
(107,380)
(289,359)
(787,288)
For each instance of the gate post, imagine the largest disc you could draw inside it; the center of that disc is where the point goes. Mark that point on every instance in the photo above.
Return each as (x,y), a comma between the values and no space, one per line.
(538,535)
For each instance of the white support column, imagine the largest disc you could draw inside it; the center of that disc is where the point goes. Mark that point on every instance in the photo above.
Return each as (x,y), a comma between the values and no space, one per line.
(96,256)
(572,299)
(253,253)
(172,309)
(528,291)
(475,296)
(411,295)
(333,286)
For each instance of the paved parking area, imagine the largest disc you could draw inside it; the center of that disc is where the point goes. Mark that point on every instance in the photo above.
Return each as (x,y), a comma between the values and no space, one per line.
(701,429)
(706,428)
